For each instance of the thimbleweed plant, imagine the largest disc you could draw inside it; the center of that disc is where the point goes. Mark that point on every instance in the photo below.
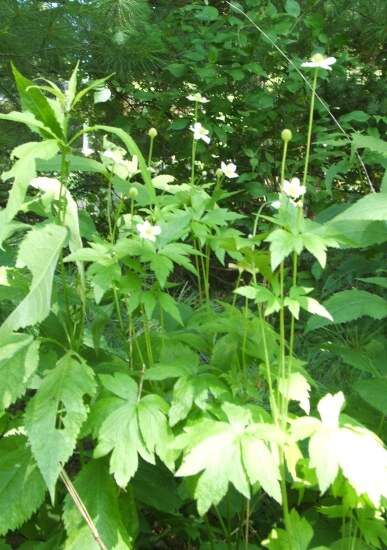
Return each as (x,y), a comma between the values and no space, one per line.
(121,399)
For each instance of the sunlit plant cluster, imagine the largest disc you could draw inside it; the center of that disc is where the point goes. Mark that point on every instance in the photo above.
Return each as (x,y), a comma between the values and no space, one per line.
(122,380)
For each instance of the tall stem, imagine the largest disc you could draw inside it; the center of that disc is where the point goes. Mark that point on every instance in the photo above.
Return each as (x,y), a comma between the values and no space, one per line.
(194,145)
(310,127)
(150,150)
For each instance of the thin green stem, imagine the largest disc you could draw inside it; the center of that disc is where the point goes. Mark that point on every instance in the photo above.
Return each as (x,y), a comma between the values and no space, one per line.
(247,526)
(283,162)
(150,153)
(310,128)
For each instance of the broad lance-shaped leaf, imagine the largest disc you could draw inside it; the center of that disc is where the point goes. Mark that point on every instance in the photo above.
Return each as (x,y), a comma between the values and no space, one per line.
(19,356)
(22,172)
(101,497)
(132,428)
(39,252)
(22,488)
(53,189)
(33,100)
(55,415)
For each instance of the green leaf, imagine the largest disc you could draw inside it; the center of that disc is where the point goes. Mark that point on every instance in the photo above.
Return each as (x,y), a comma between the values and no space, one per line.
(372,207)
(132,428)
(162,267)
(102,500)
(301,535)
(168,304)
(316,246)
(374,392)
(215,451)
(208,13)
(375,144)
(292,8)
(349,305)
(24,170)
(55,415)
(378,281)
(120,433)
(261,466)
(25,118)
(19,356)
(39,252)
(282,243)
(34,101)
(22,488)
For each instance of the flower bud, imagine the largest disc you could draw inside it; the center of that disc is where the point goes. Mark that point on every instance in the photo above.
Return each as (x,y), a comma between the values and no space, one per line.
(152,133)
(133,193)
(286,135)
(219,173)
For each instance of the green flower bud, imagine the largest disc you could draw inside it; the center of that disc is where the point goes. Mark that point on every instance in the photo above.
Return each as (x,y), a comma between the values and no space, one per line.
(152,133)
(219,173)
(133,193)
(286,135)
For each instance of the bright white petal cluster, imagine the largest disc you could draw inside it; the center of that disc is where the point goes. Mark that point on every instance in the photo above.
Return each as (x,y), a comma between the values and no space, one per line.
(229,170)
(200,132)
(319,61)
(197,98)
(293,188)
(148,231)
(357,451)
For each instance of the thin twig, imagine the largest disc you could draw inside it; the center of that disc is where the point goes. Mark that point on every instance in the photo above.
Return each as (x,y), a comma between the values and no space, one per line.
(82,509)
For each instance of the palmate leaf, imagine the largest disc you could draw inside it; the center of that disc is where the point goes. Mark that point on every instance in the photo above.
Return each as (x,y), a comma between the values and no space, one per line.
(22,488)
(101,498)
(228,452)
(19,356)
(55,415)
(132,427)
(39,252)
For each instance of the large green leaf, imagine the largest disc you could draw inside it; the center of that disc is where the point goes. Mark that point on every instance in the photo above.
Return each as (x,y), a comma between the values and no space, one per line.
(22,172)
(39,252)
(34,101)
(22,488)
(19,356)
(132,427)
(349,305)
(55,415)
(364,223)
(101,497)
(374,392)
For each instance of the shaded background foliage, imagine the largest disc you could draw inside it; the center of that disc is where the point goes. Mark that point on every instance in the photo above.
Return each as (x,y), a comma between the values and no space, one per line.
(159,51)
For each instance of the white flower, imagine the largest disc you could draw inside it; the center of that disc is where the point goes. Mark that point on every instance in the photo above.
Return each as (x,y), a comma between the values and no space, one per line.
(198,98)
(116,155)
(319,61)
(86,149)
(293,188)
(148,231)
(200,132)
(276,204)
(118,165)
(229,170)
